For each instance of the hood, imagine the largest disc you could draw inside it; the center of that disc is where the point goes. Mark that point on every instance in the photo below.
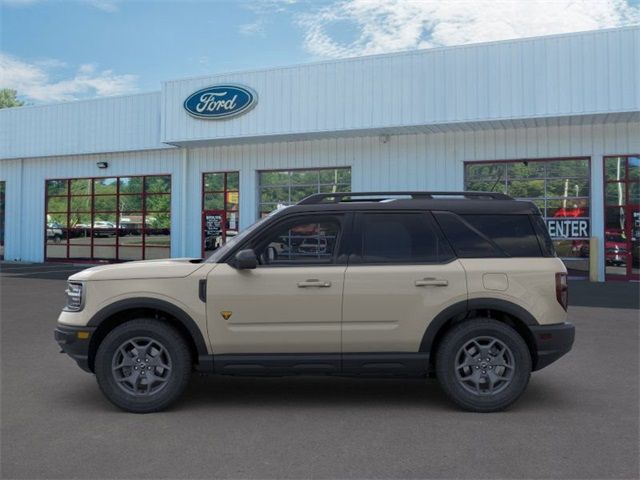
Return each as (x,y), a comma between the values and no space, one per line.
(165,268)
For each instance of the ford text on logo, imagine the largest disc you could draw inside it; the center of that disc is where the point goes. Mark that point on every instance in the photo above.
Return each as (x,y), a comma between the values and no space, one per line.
(220,101)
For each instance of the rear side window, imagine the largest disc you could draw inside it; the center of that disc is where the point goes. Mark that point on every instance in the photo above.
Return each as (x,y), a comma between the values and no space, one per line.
(401,238)
(466,241)
(512,233)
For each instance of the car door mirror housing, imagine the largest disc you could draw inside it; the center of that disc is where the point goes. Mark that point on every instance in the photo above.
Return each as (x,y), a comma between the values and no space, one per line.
(245,260)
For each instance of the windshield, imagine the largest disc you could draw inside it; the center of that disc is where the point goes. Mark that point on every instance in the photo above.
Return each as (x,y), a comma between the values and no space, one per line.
(222,251)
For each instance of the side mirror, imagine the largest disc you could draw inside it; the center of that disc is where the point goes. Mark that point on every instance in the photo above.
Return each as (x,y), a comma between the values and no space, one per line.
(246,260)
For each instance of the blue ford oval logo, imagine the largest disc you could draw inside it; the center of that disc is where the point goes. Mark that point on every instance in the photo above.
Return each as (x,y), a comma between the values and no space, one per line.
(220,101)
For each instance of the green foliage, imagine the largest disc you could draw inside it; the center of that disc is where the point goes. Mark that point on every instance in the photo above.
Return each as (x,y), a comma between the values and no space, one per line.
(8,98)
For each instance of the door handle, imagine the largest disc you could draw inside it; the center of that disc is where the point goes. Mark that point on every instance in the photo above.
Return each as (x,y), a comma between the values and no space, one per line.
(313,283)
(432,282)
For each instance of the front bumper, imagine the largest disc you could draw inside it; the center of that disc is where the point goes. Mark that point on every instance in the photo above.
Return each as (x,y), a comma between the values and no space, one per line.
(75,341)
(552,342)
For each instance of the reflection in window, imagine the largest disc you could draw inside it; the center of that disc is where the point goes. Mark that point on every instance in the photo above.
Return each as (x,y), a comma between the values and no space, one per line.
(108,219)
(279,188)
(220,205)
(622,216)
(302,243)
(559,188)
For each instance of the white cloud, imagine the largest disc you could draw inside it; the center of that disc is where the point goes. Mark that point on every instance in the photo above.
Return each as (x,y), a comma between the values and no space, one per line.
(34,81)
(379,26)
(253,28)
(109,6)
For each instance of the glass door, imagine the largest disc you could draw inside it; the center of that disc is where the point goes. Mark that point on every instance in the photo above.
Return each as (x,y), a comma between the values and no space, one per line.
(213,231)
(622,217)
(220,200)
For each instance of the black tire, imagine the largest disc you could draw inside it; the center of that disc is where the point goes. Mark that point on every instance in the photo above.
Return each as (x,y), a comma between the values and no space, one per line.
(174,379)
(451,361)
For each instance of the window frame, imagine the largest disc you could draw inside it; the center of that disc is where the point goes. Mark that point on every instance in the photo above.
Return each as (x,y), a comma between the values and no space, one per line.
(355,253)
(91,212)
(225,205)
(289,185)
(556,241)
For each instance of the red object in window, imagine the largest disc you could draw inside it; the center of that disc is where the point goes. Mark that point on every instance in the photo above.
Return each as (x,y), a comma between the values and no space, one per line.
(570,212)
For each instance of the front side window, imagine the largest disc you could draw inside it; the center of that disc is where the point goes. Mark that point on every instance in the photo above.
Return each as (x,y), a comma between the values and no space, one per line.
(278,188)
(306,241)
(108,219)
(401,238)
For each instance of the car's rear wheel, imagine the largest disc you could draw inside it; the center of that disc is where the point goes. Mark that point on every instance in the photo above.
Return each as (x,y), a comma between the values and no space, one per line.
(483,365)
(143,365)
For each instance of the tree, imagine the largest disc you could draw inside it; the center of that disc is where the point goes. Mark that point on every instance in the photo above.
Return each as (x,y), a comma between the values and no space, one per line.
(8,98)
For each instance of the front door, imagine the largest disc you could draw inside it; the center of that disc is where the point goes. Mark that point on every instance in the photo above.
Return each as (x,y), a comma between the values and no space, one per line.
(401,275)
(622,218)
(291,303)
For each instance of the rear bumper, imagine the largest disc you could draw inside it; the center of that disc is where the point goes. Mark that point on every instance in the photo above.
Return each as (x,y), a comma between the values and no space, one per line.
(77,347)
(552,342)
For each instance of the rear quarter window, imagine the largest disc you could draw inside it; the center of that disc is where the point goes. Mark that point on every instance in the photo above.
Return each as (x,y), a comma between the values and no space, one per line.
(484,235)
(512,233)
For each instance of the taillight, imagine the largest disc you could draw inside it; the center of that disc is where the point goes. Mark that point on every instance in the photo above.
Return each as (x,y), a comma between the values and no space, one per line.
(562,289)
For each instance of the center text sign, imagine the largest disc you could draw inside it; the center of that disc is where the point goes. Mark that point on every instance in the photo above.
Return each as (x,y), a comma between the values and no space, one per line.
(568,227)
(220,101)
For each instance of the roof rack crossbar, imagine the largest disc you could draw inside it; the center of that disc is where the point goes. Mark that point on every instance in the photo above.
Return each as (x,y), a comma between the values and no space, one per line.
(339,196)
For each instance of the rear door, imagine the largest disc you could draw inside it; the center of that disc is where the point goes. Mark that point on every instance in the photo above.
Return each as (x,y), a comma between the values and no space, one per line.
(402,273)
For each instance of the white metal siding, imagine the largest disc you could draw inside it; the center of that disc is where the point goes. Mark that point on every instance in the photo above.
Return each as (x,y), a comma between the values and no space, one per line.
(557,76)
(116,124)
(415,161)
(25,192)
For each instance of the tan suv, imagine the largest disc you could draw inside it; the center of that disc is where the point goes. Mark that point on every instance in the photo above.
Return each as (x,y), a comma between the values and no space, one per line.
(463,286)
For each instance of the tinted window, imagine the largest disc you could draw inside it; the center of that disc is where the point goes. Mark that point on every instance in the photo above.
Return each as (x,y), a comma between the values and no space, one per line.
(466,242)
(512,233)
(305,241)
(543,235)
(401,238)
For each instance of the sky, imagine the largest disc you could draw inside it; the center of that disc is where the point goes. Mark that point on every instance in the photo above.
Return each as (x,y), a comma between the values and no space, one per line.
(55,50)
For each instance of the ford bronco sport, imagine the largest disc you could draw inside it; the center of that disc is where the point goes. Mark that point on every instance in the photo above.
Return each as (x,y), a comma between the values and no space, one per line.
(463,286)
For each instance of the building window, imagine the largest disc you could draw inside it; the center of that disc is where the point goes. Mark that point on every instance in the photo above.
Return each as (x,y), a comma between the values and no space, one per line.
(108,219)
(559,187)
(285,187)
(220,217)
(622,217)
(2,210)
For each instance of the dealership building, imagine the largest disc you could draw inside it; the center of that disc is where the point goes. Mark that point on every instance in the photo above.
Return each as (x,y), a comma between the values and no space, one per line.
(555,120)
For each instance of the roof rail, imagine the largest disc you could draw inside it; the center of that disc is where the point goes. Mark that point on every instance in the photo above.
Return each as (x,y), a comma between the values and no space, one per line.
(339,196)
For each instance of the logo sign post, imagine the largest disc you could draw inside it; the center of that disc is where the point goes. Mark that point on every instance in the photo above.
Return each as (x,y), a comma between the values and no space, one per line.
(220,101)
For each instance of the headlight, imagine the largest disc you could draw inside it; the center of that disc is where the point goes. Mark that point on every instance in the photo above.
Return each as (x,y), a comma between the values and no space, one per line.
(75,298)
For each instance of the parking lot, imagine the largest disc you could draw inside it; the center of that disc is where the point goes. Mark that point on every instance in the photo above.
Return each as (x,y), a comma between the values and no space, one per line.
(578,418)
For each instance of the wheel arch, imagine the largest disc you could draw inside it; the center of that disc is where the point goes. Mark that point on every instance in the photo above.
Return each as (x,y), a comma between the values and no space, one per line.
(121,311)
(502,310)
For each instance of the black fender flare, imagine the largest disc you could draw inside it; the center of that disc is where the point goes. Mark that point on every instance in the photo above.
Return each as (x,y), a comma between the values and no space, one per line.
(156,304)
(461,309)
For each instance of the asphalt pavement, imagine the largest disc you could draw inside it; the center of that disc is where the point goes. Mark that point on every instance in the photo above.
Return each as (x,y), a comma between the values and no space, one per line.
(578,419)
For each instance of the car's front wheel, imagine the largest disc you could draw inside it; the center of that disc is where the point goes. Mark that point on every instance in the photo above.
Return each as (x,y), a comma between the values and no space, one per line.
(143,365)
(483,365)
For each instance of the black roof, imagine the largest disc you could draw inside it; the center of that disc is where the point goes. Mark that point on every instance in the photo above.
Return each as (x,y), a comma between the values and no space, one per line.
(457,202)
